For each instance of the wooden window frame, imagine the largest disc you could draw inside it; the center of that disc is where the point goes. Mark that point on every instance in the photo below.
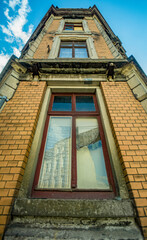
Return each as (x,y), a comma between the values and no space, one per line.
(74,193)
(73,25)
(73,47)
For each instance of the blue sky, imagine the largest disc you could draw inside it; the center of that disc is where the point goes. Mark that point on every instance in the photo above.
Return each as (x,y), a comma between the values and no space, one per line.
(127,19)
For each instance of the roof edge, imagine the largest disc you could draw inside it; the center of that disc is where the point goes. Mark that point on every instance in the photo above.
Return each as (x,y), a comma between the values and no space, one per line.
(134,61)
(7,66)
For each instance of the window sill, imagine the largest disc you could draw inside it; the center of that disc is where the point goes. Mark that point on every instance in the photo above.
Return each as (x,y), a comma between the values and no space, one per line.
(73,33)
(73,208)
(59,58)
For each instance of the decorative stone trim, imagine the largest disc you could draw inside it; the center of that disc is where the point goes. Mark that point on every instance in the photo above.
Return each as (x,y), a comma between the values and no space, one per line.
(136,84)
(56,44)
(10,82)
(144,104)
(85,26)
(61,26)
(55,47)
(34,44)
(91,48)
(63,21)
(109,43)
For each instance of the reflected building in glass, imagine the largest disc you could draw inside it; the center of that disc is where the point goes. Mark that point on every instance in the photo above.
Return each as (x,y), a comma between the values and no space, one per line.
(73,114)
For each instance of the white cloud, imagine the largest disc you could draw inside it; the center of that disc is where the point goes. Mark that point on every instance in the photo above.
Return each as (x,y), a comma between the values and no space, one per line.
(3,60)
(16,52)
(16,14)
(13,3)
(15,23)
(6,13)
(9,39)
(6,30)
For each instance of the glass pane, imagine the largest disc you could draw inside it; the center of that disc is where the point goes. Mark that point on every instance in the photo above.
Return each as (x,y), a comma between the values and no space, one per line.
(62,103)
(65,53)
(56,164)
(68,44)
(91,170)
(78,28)
(85,103)
(81,53)
(69,28)
(80,44)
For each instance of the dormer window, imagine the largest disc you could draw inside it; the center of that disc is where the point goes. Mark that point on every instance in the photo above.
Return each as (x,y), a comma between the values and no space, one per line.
(73,27)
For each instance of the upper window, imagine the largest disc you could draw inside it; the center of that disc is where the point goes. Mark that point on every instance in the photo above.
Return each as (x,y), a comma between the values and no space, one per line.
(73,160)
(73,27)
(73,50)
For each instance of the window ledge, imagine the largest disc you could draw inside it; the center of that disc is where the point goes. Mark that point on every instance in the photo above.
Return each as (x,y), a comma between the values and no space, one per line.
(73,208)
(73,33)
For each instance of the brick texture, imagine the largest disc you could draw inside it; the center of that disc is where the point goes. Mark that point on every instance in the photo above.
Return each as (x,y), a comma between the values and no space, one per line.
(99,42)
(17,126)
(42,50)
(129,125)
(100,45)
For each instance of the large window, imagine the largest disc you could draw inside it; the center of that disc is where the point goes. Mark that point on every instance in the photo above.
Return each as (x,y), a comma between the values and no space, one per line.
(73,160)
(73,27)
(73,50)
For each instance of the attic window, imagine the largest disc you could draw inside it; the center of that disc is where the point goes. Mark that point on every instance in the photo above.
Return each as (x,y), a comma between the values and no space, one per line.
(73,27)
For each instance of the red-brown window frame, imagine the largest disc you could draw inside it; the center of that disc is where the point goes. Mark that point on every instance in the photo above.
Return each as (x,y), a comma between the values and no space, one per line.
(73,47)
(74,193)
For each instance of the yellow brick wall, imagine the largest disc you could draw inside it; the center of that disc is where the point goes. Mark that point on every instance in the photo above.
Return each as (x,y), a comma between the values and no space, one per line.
(42,50)
(99,42)
(17,126)
(129,124)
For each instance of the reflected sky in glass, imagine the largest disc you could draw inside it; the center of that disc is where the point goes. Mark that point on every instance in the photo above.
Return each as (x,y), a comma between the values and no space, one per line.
(91,169)
(62,103)
(65,53)
(81,53)
(85,103)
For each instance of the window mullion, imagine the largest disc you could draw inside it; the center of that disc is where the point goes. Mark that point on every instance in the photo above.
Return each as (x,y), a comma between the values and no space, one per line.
(73,50)
(74,163)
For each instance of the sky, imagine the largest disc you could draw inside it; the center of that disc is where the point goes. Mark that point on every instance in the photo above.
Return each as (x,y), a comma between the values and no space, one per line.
(127,19)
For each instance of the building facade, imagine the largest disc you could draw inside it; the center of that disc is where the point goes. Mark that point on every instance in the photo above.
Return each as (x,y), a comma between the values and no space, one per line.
(73,134)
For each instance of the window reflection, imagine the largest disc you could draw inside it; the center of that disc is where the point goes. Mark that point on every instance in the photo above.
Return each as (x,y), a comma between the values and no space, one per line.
(85,103)
(73,50)
(91,170)
(81,53)
(56,165)
(62,103)
(73,26)
(65,53)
